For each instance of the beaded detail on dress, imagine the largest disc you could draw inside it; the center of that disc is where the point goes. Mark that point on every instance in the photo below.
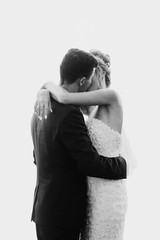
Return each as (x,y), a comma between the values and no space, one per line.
(107,199)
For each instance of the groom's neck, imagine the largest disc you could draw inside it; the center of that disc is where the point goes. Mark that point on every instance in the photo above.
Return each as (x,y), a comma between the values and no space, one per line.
(70,87)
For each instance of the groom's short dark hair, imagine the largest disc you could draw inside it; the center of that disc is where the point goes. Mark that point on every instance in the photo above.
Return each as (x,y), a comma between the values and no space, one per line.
(76,64)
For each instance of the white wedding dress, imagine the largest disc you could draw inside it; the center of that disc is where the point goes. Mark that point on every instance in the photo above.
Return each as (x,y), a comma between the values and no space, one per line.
(107,198)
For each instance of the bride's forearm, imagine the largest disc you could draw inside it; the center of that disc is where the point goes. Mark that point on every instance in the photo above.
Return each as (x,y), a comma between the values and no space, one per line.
(97,97)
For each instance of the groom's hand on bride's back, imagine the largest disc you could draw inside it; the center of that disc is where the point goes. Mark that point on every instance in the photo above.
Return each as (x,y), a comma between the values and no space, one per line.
(43,104)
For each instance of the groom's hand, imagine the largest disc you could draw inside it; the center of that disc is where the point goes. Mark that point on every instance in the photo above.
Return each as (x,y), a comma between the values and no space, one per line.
(43,104)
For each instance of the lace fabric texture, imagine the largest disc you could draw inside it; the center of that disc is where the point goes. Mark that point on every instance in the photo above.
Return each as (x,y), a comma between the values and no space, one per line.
(107,198)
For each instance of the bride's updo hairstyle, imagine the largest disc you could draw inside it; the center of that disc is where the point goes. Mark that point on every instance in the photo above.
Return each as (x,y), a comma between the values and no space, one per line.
(103,63)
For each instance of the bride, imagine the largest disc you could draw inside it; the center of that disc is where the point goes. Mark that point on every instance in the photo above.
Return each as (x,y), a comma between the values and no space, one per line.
(107,199)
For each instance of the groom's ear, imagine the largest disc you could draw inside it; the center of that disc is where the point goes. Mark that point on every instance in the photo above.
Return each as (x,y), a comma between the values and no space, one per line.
(81,81)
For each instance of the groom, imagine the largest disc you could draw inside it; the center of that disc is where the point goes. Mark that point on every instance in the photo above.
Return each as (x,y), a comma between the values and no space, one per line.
(64,156)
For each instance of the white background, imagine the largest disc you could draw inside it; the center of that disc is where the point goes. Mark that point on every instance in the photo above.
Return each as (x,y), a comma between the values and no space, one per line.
(35,35)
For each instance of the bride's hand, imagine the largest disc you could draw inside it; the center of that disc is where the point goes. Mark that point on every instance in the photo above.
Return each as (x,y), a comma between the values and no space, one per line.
(43,104)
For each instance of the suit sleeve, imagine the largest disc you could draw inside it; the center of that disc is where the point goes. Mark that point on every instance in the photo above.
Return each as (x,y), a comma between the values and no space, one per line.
(75,137)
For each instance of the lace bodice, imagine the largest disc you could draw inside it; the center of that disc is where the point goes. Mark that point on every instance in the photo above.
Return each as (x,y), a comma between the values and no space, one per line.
(106,140)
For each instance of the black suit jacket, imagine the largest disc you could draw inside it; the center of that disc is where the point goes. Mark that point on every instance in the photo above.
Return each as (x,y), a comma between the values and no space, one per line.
(64,156)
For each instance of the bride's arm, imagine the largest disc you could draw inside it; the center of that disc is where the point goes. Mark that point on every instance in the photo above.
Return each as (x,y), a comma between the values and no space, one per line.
(96,97)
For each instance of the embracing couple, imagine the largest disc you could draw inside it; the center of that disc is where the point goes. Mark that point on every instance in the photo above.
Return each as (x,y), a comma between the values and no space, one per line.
(80,191)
